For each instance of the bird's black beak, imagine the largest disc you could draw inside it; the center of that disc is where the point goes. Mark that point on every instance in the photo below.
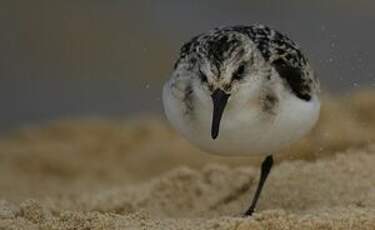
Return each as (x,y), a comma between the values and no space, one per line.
(219,99)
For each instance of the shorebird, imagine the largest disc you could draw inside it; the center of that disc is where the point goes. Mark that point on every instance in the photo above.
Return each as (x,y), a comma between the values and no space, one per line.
(242,90)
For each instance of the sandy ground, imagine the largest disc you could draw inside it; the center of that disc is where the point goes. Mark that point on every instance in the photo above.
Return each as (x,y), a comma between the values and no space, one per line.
(101,174)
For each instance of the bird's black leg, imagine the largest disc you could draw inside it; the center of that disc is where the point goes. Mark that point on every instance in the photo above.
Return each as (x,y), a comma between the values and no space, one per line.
(266,168)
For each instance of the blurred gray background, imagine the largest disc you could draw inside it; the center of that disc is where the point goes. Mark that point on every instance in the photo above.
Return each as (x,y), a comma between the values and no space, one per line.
(109,58)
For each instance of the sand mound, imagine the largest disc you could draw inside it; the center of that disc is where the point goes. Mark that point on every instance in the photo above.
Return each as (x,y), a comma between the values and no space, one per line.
(337,193)
(98,174)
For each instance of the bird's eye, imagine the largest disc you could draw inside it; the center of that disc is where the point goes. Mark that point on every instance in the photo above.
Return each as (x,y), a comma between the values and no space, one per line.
(202,76)
(239,73)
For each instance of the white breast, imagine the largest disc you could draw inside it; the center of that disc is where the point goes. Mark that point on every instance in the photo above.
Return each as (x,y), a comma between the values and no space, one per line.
(244,130)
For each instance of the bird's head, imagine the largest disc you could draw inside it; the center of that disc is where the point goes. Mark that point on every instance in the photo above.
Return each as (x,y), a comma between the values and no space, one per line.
(218,65)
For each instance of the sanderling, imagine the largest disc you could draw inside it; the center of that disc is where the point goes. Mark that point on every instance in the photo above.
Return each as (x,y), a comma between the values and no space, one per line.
(242,90)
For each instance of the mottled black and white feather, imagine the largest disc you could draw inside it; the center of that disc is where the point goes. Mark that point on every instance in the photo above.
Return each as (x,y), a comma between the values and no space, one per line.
(276,48)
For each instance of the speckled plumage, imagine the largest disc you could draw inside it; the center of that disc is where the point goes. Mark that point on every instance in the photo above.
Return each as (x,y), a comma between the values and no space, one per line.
(275,48)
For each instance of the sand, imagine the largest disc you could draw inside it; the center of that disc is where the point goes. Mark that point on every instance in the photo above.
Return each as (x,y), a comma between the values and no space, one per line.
(94,173)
